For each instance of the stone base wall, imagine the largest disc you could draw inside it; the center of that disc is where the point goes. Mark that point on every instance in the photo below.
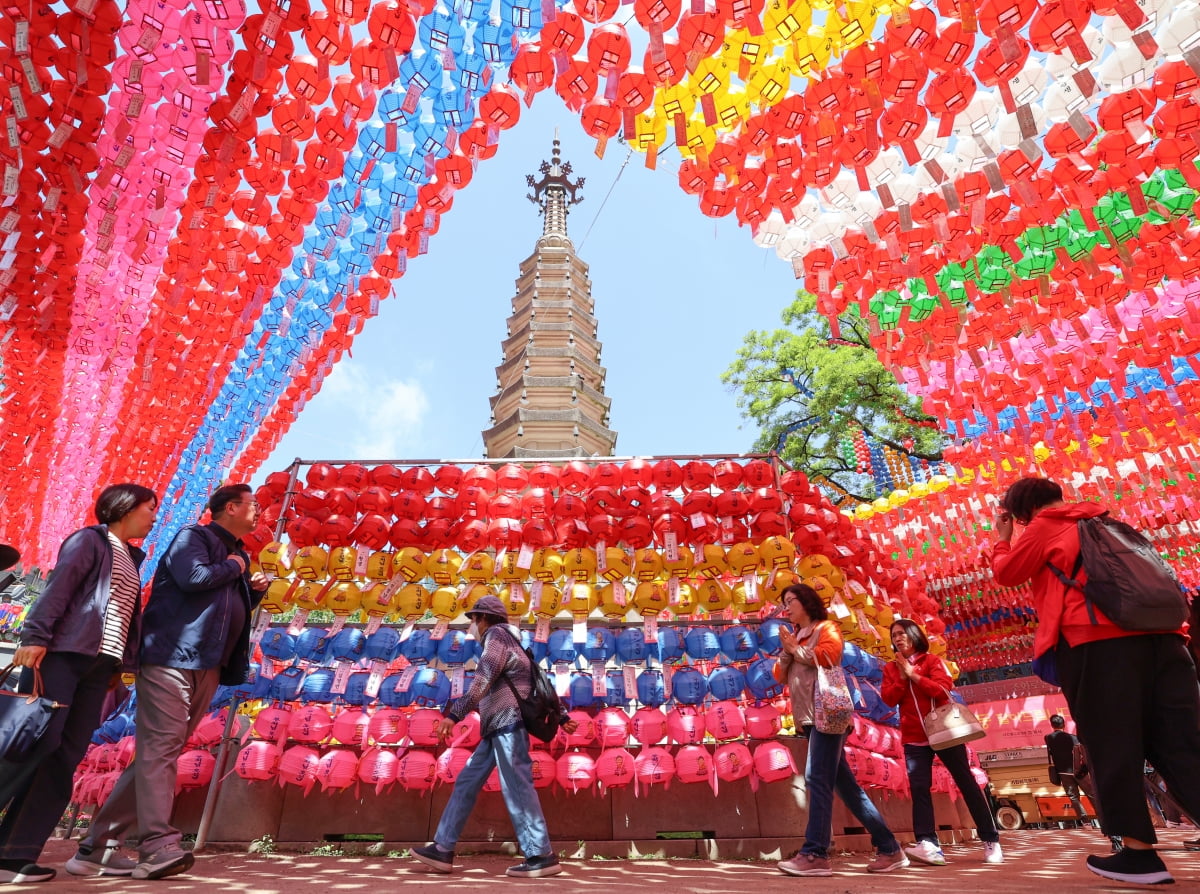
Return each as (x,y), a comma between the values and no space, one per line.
(742,820)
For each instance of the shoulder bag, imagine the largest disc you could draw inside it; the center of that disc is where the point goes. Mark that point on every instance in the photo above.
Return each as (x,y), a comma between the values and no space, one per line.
(833,708)
(949,724)
(23,718)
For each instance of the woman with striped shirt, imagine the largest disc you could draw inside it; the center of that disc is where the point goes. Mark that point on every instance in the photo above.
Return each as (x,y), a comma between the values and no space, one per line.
(80,633)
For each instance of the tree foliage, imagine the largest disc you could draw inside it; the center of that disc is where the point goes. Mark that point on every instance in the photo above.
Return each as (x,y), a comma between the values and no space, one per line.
(809,390)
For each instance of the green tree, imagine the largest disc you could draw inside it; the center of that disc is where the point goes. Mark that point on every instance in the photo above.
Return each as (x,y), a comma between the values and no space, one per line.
(810,389)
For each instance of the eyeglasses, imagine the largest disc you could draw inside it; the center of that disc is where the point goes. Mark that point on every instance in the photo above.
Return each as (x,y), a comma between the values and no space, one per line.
(253,503)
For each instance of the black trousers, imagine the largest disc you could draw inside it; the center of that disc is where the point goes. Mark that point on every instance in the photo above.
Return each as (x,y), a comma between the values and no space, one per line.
(1135,699)
(918,761)
(38,789)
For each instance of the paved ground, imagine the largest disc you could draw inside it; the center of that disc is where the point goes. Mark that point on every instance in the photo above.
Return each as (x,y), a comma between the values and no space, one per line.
(1035,859)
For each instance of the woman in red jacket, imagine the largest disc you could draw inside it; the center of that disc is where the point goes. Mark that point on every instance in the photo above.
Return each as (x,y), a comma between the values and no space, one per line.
(915,681)
(1132,693)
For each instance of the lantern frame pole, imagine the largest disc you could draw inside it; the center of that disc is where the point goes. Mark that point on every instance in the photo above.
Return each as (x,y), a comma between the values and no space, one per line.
(214,787)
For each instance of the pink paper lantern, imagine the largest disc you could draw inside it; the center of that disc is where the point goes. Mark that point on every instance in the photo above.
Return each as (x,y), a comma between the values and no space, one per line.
(423,726)
(733,760)
(466,731)
(337,769)
(88,761)
(654,765)
(612,727)
(685,725)
(854,759)
(575,770)
(693,763)
(615,767)
(417,771)
(351,727)
(193,769)
(208,731)
(104,758)
(724,720)
(258,761)
(298,767)
(125,751)
(773,762)
(377,767)
(858,725)
(310,724)
(450,763)
(763,721)
(892,775)
(272,724)
(545,768)
(104,786)
(648,725)
(388,726)
(585,733)
(872,738)
(83,791)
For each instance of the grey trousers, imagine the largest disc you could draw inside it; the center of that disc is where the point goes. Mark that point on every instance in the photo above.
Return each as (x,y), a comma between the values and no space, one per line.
(170,704)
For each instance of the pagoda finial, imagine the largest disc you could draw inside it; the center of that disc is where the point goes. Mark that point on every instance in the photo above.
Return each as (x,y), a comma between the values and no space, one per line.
(555,192)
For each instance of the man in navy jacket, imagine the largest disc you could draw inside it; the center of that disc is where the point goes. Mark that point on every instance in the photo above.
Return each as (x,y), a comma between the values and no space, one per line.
(195,635)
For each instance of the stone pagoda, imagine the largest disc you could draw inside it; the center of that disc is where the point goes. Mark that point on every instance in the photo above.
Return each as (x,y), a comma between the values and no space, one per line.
(550,399)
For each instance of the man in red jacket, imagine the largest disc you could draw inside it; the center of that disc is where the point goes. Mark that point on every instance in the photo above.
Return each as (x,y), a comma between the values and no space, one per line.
(1133,694)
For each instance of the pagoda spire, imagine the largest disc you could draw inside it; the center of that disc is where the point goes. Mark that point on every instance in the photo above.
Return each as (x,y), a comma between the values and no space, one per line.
(550,400)
(556,192)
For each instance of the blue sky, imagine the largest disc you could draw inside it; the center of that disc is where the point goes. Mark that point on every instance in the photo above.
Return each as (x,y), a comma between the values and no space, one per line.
(675,293)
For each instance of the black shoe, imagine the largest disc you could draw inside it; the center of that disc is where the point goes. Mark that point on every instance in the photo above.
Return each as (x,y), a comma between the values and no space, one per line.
(20,872)
(1193,845)
(1128,865)
(536,867)
(435,858)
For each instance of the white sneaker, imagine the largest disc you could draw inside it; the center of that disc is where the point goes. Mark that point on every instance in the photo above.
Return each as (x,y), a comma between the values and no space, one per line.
(926,852)
(992,853)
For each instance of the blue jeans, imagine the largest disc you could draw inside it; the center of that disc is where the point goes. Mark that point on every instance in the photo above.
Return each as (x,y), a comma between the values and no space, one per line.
(826,771)
(918,761)
(509,752)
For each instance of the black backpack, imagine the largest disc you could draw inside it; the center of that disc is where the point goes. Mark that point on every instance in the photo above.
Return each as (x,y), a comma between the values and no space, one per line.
(542,711)
(1126,577)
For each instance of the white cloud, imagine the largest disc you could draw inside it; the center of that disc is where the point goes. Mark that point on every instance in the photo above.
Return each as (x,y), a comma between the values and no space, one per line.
(377,417)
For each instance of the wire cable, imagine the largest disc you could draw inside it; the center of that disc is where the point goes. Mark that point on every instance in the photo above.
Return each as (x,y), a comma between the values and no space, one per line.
(620,171)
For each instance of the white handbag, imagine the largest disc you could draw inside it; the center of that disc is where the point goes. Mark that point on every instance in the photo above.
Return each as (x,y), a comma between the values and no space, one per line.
(949,724)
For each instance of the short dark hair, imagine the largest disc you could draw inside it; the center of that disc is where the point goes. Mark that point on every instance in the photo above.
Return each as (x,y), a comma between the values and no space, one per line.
(223,496)
(1058,721)
(118,500)
(808,597)
(916,635)
(1028,495)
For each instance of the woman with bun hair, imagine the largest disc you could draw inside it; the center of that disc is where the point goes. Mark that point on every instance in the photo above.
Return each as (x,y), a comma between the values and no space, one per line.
(818,641)
(79,635)
(914,682)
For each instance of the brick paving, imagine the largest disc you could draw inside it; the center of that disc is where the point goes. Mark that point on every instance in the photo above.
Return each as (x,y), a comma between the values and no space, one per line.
(1036,859)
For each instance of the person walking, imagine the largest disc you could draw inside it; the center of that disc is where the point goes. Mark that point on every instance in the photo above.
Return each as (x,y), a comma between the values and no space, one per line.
(1132,693)
(817,640)
(914,682)
(1060,754)
(195,635)
(502,676)
(80,633)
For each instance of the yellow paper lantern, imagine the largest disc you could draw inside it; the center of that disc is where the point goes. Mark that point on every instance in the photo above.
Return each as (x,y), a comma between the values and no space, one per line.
(412,601)
(275,559)
(310,563)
